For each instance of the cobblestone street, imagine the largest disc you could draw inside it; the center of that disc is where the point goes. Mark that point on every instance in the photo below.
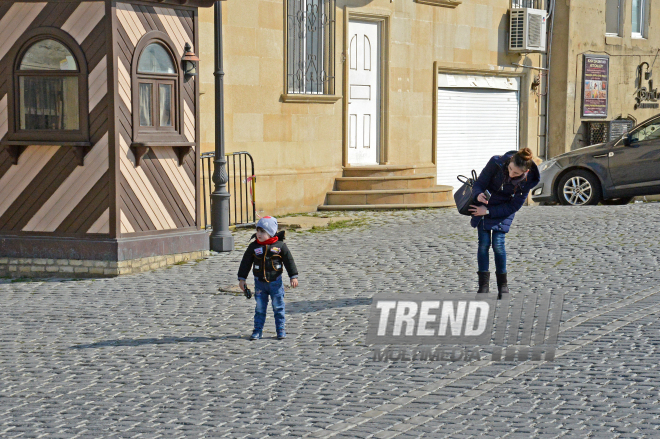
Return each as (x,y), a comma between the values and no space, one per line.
(166,354)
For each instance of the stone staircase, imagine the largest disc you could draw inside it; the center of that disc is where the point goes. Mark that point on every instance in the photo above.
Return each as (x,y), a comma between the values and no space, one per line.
(387,187)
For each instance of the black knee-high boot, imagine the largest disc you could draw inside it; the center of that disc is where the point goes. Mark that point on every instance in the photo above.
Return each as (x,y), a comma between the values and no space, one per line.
(502,287)
(484,278)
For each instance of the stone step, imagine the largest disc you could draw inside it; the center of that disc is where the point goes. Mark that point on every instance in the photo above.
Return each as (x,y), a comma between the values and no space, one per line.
(417,181)
(383,170)
(435,194)
(387,206)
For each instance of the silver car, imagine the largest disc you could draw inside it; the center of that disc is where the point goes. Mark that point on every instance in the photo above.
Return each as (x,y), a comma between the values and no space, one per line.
(611,173)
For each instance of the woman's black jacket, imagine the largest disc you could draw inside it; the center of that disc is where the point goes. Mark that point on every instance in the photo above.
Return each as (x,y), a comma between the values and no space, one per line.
(506,198)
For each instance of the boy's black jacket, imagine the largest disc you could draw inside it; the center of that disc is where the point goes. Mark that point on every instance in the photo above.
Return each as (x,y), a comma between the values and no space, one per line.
(267,260)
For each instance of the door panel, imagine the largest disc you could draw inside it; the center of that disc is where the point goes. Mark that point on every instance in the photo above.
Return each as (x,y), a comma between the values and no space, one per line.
(363,93)
(637,165)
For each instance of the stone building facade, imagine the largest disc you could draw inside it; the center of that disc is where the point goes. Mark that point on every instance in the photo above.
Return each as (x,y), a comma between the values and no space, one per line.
(426,50)
(626,34)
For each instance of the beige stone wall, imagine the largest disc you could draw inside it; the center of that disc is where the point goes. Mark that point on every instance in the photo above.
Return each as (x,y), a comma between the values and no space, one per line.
(579,29)
(298,148)
(77,268)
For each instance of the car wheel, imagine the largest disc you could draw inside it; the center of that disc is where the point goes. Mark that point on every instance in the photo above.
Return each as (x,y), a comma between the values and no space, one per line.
(617,201)
(579,188)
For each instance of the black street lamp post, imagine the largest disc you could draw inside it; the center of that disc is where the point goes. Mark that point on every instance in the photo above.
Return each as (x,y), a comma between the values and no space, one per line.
(221,238)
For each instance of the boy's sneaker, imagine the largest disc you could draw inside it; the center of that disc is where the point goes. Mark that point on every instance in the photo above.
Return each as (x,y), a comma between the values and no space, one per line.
(256,335)
(281,335)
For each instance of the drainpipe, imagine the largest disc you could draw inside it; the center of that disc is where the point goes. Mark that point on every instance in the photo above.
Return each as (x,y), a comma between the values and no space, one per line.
(221,238)
(547,81)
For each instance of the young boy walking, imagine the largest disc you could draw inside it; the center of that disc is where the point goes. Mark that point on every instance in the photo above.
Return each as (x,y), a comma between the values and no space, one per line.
(268,255)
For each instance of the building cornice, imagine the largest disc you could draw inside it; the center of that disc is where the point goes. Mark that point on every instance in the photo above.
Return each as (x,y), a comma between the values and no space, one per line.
(443,3)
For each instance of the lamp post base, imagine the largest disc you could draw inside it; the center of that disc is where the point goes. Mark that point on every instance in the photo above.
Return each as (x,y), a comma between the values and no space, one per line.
(222,243)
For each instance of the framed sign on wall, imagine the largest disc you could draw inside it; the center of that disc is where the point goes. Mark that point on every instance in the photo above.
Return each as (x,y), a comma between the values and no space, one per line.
(595,85)
(620,127)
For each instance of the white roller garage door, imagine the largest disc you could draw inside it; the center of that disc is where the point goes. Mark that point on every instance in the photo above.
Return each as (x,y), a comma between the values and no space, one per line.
(474,124)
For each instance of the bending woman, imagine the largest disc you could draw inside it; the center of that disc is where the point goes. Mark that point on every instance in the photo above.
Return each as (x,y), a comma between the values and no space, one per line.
(508,178)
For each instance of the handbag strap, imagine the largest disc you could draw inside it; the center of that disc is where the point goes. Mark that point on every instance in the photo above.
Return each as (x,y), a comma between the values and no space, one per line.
(469,181)
(465,180)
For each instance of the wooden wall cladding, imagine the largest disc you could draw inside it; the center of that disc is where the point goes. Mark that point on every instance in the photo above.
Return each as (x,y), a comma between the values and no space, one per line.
(158,194)
(47,191)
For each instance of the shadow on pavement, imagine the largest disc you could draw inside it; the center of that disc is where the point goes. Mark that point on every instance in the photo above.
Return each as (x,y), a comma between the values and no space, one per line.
(305,306)
(144,341)
(299,307)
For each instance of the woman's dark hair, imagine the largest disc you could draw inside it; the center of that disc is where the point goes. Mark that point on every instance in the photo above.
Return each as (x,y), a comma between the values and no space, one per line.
(523,159)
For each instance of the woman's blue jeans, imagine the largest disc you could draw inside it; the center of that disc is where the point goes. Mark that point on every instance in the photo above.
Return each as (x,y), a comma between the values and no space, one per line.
(262,291)
(499,250)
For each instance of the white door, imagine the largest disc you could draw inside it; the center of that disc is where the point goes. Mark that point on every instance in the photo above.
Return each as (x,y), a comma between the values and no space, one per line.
(363,93)
(474,124)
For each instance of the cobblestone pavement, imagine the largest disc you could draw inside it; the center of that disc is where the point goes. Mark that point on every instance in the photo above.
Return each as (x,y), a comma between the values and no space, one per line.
(165,354)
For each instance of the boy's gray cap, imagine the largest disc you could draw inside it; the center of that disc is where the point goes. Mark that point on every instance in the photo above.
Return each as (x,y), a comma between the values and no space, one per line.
(269,224)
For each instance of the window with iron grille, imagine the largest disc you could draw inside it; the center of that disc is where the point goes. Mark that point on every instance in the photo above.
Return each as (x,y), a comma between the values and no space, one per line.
(310,47)
(598,132)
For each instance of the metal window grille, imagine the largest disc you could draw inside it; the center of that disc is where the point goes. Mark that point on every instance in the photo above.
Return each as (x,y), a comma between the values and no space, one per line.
(534,4)
(311,46)
(598,132)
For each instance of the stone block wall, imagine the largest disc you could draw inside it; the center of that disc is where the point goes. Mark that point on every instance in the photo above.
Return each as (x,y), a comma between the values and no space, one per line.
(77,268)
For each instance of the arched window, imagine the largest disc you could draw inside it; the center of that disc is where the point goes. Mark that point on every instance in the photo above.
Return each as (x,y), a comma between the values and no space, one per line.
(156,96)
(50,91)
(156,81)
(48,88)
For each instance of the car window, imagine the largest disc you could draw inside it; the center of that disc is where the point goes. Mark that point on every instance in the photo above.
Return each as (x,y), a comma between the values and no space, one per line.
(651,131)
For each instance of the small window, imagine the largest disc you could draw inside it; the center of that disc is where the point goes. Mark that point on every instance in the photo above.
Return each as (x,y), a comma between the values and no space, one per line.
(49,84)
(157,78)
(639,18)
(310,46)
(612,17)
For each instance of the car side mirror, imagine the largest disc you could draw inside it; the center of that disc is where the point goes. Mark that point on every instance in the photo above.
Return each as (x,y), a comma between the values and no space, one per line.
(627,139)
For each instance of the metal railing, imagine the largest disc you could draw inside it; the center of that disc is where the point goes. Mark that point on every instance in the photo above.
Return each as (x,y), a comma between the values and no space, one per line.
(535,4)
(241,187)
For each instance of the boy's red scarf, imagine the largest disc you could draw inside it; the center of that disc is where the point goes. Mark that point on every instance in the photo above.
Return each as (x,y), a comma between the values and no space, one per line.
(269,241)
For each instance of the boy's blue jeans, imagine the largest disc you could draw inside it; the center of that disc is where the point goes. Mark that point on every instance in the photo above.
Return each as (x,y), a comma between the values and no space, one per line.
(498,250)
(274,290)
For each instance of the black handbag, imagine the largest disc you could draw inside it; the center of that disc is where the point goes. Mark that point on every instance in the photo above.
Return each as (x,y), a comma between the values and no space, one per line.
(463,197)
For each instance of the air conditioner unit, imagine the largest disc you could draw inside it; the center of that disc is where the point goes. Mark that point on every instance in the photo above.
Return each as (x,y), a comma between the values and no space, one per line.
(527,30)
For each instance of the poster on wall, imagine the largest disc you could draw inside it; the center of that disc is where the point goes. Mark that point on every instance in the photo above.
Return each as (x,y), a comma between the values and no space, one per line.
(595,83)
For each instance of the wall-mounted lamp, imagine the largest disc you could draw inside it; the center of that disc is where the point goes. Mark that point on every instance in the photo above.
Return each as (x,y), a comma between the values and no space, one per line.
(190,61)
(640,69)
